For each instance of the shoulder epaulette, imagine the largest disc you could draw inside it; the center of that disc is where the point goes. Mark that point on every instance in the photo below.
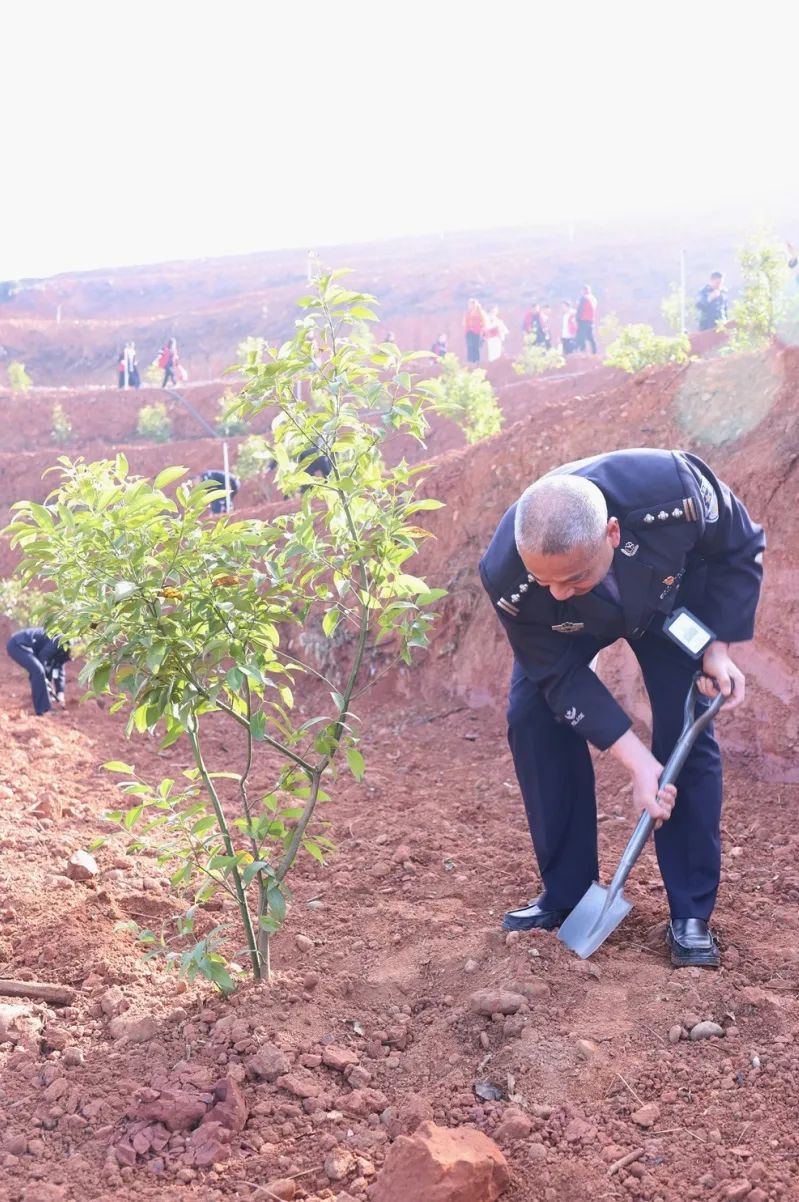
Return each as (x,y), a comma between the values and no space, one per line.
(671,514)
(510,604)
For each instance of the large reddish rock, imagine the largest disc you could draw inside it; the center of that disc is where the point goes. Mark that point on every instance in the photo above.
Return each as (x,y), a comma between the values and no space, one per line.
(269,1063)
(442,1164)
(496,1001)
(177,1109)
(230,1108)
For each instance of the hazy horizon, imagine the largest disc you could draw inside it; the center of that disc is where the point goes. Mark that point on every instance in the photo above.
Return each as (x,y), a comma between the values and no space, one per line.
(161,133)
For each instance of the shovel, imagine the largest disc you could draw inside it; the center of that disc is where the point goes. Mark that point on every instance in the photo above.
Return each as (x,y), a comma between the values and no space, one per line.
(600,910)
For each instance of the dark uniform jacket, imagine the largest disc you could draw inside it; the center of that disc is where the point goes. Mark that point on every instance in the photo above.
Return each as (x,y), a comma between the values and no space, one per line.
(685,540)
(216,477)
(711,311)
(50,652)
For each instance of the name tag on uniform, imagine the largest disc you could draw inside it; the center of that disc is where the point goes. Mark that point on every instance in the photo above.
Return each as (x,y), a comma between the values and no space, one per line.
(690,635)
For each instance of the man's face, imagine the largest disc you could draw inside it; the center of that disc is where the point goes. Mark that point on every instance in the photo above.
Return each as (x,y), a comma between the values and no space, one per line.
(716,281)
(577,572)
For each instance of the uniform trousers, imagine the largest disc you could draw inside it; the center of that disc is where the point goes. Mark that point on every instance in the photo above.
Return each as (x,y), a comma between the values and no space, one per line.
(556,777)
(24,656)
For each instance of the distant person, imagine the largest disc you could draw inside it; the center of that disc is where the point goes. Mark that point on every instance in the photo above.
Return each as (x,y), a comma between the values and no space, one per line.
(311,460)
(586,320)
(315,463)
(712,302)
(536,324)
(440,347)
(568,328)
(168,360)
(213,477)
(529,319)
(128,367)
(495,333)
(542,337)
(43,658)
(474,323)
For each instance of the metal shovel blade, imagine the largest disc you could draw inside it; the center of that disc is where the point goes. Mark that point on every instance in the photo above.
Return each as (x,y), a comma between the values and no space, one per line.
(596,915)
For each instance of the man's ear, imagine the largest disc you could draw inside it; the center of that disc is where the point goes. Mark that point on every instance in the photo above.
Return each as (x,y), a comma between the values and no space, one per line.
(614,532)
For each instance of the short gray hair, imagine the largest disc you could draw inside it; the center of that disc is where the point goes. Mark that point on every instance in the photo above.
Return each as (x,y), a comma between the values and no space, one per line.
(559,514)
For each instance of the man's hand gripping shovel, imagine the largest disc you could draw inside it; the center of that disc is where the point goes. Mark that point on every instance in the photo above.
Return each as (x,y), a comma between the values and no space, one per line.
(600,910)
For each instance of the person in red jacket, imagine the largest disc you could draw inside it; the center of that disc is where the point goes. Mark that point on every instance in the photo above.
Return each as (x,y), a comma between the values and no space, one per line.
(586,318)
(474,323)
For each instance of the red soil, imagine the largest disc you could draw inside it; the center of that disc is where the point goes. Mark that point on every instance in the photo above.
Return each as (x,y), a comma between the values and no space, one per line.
(402,926)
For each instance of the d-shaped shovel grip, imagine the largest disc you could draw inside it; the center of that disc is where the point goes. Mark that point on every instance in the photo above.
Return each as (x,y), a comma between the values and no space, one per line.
(691,729)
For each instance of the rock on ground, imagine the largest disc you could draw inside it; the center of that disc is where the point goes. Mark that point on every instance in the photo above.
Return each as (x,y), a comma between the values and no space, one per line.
(442,1164)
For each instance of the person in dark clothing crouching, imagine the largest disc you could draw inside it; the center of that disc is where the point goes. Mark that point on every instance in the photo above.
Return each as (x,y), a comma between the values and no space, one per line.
(43,658)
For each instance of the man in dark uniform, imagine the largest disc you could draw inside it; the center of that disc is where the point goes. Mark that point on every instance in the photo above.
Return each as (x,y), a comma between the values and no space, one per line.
(43,658)
(602,549)
(217,479)
(712,302)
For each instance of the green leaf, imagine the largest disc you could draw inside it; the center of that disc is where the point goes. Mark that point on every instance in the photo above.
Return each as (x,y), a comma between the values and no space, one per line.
(168,475)
(355,762)
(252,870)
(118,766)
(276,903)
(330,621)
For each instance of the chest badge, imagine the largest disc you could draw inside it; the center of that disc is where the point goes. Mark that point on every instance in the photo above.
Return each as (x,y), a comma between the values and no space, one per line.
(629,549)
(669,580)
(569,627)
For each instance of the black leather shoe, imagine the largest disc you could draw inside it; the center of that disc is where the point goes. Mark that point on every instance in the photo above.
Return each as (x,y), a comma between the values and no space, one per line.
(532,917)
(691,942)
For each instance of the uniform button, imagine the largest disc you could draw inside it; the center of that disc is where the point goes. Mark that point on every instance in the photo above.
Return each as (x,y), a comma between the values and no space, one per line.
(523,588)
(649,517)
(676,513)
(515,597)
(663,516)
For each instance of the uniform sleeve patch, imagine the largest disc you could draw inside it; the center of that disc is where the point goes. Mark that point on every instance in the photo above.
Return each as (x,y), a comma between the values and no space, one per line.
(710,501)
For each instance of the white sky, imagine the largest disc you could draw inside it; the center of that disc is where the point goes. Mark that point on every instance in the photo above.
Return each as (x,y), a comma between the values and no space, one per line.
(162,129)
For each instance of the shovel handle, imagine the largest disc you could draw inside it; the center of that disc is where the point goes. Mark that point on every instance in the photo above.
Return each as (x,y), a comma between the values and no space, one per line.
(691,729)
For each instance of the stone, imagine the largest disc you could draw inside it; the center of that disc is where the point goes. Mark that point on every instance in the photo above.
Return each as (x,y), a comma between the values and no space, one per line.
(515,1125)
(268,1063)
(736,1191)
(304,943)
(133,1029)
(339,1163)
(230,1108)
(578,1130)
(14,1020)
(177,1109)
(82,867)
(409,1115)
(707,1030)
(536,1151)
(647,1115)
(675,1033)
(113,1001)
(757,1195)
(339,1058)
(209,1144)
(495,1001)
(283,1188)
(362,1102)
(587,1049)
(442,1164)
(302,1085)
